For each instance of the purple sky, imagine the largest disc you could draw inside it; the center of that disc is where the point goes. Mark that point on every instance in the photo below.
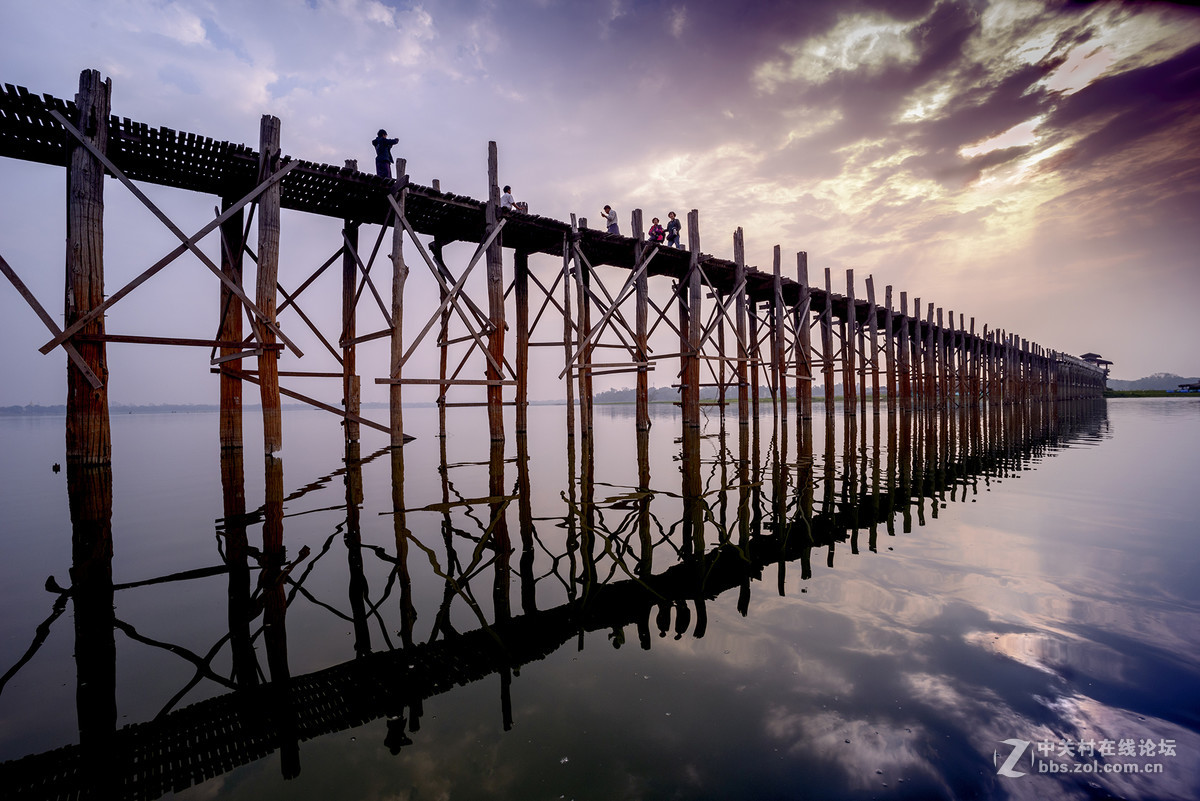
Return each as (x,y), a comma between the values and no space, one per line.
(1032,165)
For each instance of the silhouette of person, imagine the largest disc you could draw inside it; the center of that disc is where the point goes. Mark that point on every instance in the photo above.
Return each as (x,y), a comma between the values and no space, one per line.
(383,154)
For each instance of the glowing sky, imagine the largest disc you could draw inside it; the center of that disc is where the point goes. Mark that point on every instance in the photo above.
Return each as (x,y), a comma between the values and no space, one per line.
(1034,165)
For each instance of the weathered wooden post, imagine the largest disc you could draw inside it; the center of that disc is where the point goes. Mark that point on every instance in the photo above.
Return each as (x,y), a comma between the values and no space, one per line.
(89,440)
(849,390)
(889,353)
(521,290)
(942,384)
(931,371)
(904,366)
(230,329)
(351,383)
(268,279)
(804,371)
(399,279)
(755,359)
(569,241)
(583,331)
(495,281)
(691,379)
(443,340)
(778,334)
(642,317)
(739,282)
(873,326)
(827,345)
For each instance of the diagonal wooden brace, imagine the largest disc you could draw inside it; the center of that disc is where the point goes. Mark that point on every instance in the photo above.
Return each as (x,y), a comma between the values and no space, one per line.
(187,243)
(88,373)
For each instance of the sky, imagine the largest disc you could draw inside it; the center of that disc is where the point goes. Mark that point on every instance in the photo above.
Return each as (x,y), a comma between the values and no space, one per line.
(1032,165)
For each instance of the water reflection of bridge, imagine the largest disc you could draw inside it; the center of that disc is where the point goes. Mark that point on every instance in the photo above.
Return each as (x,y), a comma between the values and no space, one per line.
(757,500)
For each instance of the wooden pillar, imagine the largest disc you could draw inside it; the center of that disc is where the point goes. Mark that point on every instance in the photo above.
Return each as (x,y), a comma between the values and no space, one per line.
(521,289)
(399,278)
(642,319)
(435,249)
(569,241)
(739,282)
(849,399)
(804,371)
(351,383)
(931,372)
(827,345)
(889,347)
(582,332)
(495,281)
(903,365)
(916,362)
(268,279)
(89,440)
(230,329)
(942,385)
(691,379)
(755,389)
(778,335)
(873,325)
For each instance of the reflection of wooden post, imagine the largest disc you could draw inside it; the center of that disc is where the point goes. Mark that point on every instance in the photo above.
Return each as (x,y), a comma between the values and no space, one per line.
(642,312)
(399,278)
(646,554)
(237,553)
(739,280)
(272,580)
(89,493)
(351,386)
(232,249)
(691,376)
(89,440)
(525,514)
(501,542)
(354,560)
(521,289)
(495,281)
(268,279)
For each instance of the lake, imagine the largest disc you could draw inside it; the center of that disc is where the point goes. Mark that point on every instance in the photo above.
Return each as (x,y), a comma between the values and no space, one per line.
(995,603)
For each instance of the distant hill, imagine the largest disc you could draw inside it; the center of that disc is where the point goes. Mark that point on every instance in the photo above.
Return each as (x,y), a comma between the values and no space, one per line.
(1156,381)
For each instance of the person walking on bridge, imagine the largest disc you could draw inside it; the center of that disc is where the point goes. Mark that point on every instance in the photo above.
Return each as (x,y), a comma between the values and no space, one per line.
(610,217)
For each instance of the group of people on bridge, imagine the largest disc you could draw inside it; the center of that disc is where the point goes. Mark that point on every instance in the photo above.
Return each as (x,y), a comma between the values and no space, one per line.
(658,234)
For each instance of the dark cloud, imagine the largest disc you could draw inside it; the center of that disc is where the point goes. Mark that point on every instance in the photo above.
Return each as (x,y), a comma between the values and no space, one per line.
(1129,107)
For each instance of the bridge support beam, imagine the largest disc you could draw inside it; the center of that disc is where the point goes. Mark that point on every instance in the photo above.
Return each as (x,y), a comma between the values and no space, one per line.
(89,439)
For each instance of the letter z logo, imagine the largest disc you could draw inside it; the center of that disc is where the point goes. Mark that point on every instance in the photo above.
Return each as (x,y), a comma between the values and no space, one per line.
(1018,749)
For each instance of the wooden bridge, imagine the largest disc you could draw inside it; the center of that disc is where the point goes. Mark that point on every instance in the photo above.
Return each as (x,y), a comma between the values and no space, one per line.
(750,329)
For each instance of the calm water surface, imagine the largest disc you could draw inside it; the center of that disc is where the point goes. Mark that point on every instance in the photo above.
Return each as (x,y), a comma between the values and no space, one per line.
(993,606)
